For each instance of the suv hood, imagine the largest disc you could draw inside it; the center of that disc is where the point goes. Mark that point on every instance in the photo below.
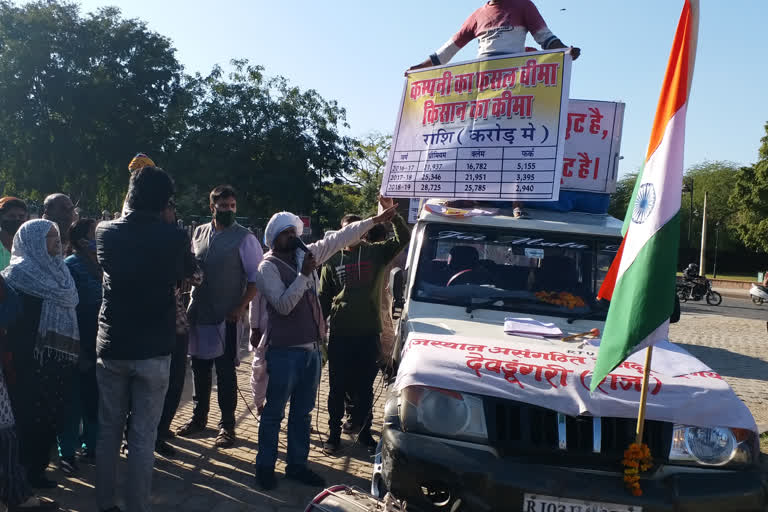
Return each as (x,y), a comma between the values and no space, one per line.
(446,320)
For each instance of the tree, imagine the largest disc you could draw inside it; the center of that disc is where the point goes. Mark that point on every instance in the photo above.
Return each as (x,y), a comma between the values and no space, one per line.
(368,163)
(623,195)
(276,144)
(749,201)
(78,97)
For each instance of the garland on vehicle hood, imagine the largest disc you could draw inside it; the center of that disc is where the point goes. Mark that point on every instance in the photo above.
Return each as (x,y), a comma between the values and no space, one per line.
(637,459)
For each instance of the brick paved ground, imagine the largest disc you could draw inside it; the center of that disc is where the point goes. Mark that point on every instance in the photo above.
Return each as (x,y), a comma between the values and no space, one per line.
(204,478)
(731,338)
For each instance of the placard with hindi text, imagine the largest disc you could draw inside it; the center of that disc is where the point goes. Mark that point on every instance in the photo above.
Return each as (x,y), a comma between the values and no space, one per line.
(485,129)
(592,146)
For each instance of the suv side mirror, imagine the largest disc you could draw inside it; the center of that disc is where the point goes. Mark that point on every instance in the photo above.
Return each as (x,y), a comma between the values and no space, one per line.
(397,289)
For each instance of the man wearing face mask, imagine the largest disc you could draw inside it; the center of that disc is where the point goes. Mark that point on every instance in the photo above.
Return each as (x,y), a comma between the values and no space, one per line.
(350,294)
(13,213)
(229,256)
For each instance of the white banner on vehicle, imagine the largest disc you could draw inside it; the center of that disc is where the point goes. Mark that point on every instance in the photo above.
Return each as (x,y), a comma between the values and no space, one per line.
(592,146)
(558,378)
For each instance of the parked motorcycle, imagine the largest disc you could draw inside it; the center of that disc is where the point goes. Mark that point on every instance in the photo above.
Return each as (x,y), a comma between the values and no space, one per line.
(758,293)
(699,289)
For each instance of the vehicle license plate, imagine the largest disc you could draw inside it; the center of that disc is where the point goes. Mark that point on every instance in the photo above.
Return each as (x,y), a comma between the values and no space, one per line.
(539,503)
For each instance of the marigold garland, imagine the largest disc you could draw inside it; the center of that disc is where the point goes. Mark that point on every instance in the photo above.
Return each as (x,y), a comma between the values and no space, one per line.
(637,459)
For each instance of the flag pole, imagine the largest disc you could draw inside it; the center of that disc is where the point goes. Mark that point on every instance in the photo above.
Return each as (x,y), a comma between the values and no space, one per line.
(643,397)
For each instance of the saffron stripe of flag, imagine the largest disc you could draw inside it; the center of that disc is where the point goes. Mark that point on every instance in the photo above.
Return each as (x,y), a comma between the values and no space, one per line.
(641,281)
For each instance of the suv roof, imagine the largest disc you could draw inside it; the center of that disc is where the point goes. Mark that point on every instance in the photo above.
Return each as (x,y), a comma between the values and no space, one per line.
(539,220)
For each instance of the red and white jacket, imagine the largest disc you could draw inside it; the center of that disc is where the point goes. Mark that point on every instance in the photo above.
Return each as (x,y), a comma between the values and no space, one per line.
(501,29)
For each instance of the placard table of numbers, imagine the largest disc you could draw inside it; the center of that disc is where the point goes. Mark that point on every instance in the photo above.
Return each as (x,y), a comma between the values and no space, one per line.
(487,129)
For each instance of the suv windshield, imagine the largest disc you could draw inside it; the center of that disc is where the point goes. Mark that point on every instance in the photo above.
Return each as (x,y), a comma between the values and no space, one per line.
(535,272)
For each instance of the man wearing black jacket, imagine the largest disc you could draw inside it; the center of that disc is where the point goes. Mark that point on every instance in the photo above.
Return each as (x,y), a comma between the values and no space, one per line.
(143,255)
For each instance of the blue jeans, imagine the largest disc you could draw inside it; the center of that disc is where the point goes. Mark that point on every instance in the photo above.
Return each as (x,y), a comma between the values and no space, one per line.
(293,374)
(138,387)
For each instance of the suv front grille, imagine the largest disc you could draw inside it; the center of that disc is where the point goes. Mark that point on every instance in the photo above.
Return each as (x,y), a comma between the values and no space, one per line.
(516,428)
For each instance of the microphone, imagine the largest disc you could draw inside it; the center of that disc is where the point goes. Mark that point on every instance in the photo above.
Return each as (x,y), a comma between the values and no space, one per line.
(301,245)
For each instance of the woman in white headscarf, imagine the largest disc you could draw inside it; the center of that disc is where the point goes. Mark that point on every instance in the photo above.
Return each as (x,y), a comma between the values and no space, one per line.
(44,342)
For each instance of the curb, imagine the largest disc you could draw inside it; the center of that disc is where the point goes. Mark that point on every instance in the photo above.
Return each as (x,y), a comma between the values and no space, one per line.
(737,293)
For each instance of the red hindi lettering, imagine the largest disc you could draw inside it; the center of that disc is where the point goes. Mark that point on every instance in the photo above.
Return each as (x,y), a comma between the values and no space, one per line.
(522,106)
(547,74)
(584,163)
(463,83)
(528,73)
(575,123)
(594,120)
(443,87)
(568,164)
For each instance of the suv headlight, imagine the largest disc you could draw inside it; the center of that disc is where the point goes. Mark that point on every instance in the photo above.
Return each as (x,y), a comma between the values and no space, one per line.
(712,446)
(443,413)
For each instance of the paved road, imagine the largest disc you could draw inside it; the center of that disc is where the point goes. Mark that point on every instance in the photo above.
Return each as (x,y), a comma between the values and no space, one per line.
(730,338)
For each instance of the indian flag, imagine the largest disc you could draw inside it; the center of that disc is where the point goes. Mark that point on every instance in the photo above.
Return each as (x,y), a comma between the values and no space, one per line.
(641,281)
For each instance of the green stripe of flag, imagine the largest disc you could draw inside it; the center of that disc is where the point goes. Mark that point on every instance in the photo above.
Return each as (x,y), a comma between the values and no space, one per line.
(642,300)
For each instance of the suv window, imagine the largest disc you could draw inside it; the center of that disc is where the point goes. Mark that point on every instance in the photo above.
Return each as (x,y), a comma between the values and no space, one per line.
(537,272)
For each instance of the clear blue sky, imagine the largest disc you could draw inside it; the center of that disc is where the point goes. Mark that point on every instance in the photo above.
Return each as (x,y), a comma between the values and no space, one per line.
(355,51)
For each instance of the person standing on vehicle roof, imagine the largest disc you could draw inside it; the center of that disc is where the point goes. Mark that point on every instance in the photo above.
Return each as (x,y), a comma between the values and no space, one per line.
(501,27)
(350,294)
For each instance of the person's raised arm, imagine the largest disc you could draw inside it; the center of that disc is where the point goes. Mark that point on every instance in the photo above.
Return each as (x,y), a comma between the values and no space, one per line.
(392,247)
(346,236)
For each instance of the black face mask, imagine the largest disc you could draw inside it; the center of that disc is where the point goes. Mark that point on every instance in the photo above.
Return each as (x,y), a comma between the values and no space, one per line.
(224,218)
(11,226)
(293,243)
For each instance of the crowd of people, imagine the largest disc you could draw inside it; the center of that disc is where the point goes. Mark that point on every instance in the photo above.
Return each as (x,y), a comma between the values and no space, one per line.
(95,332)
(96,335)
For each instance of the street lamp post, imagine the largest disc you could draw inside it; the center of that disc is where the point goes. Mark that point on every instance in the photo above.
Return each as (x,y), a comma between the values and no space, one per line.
(688,187)
(717,235)
(703,258)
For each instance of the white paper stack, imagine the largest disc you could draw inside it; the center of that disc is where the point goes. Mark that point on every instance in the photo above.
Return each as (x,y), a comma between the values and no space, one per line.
(530,327)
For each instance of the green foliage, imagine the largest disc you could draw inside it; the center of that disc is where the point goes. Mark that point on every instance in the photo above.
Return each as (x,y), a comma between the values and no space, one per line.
(275,143)
(81,94)
(620,199)
(356,191)
(750,204)
(78,95)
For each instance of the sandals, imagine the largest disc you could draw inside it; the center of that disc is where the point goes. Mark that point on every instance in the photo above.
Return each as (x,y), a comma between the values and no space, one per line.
(225,439)
(190,428)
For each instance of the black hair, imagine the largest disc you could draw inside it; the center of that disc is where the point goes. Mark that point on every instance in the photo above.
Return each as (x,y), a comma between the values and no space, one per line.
(79,230)
(13,203)
(222,192)
(377,233)
(52,200)
(349,219)
(150,189)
